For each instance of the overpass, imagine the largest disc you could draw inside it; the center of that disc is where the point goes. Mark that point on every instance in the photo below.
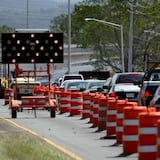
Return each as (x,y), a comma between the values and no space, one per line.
(79,59)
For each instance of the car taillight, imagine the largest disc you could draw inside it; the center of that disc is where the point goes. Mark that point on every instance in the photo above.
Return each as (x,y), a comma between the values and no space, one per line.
(146,94)
(158,101)
(113,94)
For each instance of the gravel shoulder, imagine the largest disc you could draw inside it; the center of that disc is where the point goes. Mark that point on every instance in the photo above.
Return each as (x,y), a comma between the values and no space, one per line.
(6,128)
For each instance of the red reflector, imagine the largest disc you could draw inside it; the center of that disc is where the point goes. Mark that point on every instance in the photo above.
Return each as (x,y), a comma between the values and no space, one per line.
(146,94)
(113,94)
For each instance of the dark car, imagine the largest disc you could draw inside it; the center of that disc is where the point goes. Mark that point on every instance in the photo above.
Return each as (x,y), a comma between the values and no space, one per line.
(150,83)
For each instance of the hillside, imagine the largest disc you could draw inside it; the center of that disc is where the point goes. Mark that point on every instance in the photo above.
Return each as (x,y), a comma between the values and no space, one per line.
(40,12)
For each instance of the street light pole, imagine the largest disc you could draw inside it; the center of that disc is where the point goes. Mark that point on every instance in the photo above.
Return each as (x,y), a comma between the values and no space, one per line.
(69,37)
(130,48)
(122,49)
(27,24)
(117,26)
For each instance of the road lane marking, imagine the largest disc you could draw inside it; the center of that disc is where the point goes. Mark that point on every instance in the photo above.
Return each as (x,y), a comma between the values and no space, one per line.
(61,148)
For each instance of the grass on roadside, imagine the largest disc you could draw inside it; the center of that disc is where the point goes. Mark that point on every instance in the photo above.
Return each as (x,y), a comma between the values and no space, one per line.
(27,147)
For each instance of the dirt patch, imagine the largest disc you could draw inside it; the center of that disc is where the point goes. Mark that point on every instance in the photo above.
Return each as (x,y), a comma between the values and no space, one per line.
(6,128)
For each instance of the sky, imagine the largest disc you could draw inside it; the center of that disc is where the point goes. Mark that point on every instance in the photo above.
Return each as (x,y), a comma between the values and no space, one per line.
(13,13)
(33,4)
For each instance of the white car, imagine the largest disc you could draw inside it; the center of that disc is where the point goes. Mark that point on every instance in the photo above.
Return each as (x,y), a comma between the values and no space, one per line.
(126,85)
(91,85)
(72,77)
(73,85)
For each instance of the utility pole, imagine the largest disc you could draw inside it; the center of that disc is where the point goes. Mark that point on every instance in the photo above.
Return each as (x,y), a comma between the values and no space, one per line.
(130,49)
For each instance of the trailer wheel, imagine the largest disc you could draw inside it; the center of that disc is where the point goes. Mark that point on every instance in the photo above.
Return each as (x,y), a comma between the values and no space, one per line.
(53,113)
(14,113)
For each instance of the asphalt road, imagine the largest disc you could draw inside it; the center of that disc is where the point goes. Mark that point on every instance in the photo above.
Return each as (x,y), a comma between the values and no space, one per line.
(73,135)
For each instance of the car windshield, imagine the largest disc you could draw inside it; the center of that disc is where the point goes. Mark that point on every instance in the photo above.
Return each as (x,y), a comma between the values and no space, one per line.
(76,85)
(130,78)
(94,85)
(155,76)
(152,75)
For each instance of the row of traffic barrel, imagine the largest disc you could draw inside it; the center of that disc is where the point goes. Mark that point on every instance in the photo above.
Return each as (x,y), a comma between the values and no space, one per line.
(9,93)
(136,127)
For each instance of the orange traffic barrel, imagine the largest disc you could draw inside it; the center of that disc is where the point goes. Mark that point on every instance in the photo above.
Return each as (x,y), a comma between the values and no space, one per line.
(120,105)
(158,139)
(147,146)
(86,105)
(76,103)
(111,117)
(8,95)
(102,113)
(130,128)
(65,101)
(57,94)
(56,91)
(95,109)
(91,107)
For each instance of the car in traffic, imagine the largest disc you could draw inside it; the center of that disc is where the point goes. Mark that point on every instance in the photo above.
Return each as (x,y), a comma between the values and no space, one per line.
(73,85)
(155,102)
(94,85)
(90,85)
(71,77)
(149,85)
(45,82)
(105,87)
(126,85)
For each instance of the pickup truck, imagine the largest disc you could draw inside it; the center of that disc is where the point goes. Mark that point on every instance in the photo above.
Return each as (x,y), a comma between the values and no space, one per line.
(24,86)
(149,85)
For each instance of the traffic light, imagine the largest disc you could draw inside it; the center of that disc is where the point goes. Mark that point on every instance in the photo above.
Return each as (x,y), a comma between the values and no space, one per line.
(32,48)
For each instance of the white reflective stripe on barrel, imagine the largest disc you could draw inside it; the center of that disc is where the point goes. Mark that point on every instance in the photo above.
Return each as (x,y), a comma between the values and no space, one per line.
(95,115)
(86,101)
(65,98)
(130,138)
(148,130)
(95,105)
(64,105)
(129,122)
(149,148)
(76,107)
(119,129)
(102,108)
(120,115)
(76,99)
(111,124)
(111,112)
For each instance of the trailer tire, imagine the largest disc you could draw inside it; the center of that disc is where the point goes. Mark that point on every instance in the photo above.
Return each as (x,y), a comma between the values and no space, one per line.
(53,113)
(14,113)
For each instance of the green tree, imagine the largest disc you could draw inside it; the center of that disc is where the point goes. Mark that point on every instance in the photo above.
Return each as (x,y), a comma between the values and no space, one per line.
(60,24)
(5,29)
(105,40)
